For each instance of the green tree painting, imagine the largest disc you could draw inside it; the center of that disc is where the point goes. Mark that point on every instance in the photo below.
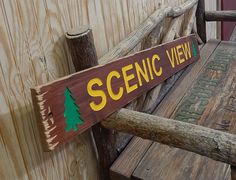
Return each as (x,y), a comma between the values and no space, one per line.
(71,112)
(194,50)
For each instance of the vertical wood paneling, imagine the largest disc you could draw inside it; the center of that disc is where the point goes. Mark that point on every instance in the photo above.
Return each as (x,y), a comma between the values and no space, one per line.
(33,52)
(11,162)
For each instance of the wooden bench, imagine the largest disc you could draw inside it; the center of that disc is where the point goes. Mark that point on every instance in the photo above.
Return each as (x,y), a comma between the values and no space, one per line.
(205,95)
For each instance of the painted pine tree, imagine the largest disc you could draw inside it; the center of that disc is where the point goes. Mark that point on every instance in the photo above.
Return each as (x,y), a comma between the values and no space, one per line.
(194,50)
(71,112)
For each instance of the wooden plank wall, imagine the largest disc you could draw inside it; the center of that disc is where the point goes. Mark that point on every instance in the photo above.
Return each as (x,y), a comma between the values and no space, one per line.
(33,52)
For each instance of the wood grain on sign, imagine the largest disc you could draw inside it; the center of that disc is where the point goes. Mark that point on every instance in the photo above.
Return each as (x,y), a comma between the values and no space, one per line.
(69,106)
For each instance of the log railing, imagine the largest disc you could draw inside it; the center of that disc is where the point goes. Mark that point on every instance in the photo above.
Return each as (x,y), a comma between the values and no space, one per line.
(208,142)
(220,15)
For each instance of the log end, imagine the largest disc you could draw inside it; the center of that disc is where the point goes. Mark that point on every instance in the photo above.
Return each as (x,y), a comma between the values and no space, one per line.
(78,31)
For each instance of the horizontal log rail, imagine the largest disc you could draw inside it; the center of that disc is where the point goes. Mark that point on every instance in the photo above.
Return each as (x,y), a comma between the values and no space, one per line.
(208,142)
(220,15)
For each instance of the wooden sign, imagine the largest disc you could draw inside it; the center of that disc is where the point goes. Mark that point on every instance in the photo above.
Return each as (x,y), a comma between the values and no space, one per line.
(71,105)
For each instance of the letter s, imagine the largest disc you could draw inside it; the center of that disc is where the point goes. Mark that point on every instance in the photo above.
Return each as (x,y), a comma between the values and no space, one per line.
(96,93)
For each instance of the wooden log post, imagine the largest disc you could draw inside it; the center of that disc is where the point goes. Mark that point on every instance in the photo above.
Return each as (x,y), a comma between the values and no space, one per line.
(208,142)
(201,23)
(81,47)
(108,142)
(83,53)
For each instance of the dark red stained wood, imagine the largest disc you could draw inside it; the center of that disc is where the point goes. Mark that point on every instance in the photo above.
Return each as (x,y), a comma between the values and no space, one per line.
(49,99)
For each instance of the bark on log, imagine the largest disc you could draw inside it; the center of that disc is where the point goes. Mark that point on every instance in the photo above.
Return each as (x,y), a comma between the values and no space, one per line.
(220,15)
(208,142)
(81,47)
